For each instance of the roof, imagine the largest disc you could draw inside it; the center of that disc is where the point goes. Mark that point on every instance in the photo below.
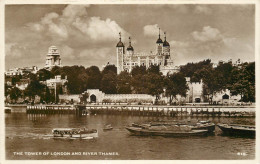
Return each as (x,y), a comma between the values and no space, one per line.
(120,44)
(130,48)
(159,40)
(166,44)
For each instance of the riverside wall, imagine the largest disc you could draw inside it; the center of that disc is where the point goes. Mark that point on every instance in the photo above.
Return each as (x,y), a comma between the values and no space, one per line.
(142,110)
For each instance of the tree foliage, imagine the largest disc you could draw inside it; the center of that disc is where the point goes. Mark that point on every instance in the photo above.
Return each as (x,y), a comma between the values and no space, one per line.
(175,85)
(15,93)
(109,83)
(123,83)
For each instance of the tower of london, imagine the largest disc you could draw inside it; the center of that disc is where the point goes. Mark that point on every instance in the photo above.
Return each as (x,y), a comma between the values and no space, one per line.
(128,59)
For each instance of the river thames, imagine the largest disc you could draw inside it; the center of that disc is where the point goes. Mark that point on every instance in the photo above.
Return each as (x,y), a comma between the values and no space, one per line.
(26,139)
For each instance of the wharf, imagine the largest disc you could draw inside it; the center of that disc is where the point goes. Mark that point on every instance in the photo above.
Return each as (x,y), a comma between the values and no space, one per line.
(144,110)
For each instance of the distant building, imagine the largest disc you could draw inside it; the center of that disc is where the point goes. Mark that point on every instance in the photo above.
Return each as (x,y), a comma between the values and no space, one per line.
(22,84)
(14,72)
(58,84)
(27,70)
(21,71)
(237,63)
(195,91)
(127,60)
(53,58)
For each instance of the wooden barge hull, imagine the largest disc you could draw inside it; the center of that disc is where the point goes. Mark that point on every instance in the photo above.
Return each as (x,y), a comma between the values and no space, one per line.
(236,131)
(146,132)
(209,128)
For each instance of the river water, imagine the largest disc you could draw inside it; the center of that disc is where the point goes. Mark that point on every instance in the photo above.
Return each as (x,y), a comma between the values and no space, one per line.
(26,136)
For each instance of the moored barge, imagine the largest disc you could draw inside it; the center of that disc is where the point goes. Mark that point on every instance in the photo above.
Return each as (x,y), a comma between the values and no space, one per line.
(239,130)
(165,133)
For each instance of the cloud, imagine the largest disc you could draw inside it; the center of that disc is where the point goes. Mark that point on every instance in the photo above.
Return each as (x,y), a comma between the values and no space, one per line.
(48,18)
(74,11)
(73,22)
(208,34)
(15,50)
(151,30)
(67,52)
(99,30)
(181,44)
(210,43)
(202,9)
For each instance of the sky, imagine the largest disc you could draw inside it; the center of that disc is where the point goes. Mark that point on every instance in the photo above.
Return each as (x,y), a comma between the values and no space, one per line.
(87,34)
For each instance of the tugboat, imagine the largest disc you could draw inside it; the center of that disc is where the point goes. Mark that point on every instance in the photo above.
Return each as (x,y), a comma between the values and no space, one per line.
(238,130)
(74,133)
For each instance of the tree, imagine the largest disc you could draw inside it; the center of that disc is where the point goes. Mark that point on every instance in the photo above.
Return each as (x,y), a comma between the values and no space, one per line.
(138,70)
(139,80)
(223,74)
(76,76)
(94,77)
(108,68)
(189,69)
(43,75)
(139,84)
(56,70)
(108,83)
(124,83)
(154,69)
(84,97)
(47,96)
(155,84)
(15,93)
(243,82)
(34,88)
(175,84)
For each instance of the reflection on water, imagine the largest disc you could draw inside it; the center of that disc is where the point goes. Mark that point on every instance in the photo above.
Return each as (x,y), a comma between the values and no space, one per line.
(31,133)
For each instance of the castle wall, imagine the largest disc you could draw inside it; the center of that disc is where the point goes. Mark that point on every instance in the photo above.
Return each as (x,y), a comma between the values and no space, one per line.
(102,97)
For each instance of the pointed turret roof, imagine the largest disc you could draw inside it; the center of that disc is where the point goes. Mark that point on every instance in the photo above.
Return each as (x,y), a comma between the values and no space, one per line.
(130,48)
(165,43)
(159,40)
(120,43)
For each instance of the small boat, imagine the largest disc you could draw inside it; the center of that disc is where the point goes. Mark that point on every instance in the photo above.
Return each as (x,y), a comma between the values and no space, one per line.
(236,129)
(74,132)
(108,127)
(165,133)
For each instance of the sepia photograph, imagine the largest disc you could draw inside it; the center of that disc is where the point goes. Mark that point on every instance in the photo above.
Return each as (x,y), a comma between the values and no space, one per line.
(130,81)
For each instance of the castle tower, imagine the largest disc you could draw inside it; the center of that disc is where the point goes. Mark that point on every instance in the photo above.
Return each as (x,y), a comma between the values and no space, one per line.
(120,51)
(130,49)
(166,49)
(159,45)
(53,58)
